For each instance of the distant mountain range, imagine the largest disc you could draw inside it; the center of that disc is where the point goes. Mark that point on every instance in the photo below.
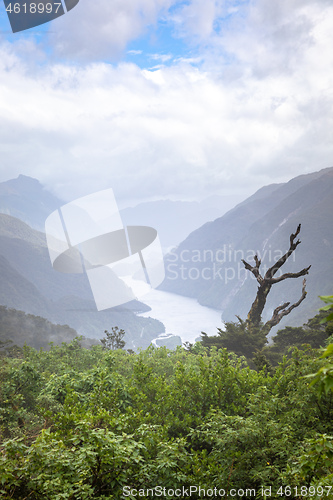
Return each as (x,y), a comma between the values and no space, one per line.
(29,283)
(26,199)
(175,220)
(207,264)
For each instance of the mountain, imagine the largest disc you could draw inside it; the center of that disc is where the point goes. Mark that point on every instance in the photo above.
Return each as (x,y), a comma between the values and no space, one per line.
(35,331)
(19,293)
(207,264)
(30,284)
(26,250)
(175,220)
(26,199)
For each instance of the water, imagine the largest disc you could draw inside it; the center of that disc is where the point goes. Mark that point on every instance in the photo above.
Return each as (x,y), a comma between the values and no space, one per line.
(181,315)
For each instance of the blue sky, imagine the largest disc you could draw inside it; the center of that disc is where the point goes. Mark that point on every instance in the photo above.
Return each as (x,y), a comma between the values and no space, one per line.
(168,99)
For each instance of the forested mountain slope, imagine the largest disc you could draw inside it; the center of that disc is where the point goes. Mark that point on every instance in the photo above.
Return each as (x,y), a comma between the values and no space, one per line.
(29,283)
(207,265)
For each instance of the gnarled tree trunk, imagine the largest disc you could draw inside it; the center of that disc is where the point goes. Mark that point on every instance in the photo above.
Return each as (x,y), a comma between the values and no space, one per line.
(265,285)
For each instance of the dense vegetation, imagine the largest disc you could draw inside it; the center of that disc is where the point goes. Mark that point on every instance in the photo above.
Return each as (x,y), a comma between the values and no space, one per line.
(254,346)
(20,327)
(98,423)
(36,331)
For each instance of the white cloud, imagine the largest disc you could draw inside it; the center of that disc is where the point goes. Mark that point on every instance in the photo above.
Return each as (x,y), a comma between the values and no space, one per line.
(196,19)
(134,52)
(267,38)
(101,29)
(257,110)
(161,57)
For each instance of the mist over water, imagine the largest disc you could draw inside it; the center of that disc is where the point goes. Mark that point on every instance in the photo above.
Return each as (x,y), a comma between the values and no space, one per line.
(180,315)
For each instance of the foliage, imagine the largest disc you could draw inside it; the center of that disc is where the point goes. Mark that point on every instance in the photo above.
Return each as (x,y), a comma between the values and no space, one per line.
(253,345)
(313,333)
(329,301)
(81,424)
(21,327)
(114,339)
(324,376)
(313,468)
(237,338)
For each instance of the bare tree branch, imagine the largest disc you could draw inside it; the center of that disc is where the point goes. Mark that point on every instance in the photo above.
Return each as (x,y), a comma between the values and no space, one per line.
(254,269)
(281,311)
(293,245)
(266,283)
(285,276)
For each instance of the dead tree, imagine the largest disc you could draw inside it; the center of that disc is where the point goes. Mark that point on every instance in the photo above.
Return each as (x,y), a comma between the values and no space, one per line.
(265,285)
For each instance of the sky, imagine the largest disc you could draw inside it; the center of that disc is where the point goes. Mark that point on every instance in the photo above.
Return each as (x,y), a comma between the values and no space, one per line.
(168,99)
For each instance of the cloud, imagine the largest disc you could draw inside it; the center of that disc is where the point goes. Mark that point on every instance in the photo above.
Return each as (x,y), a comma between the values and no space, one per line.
(196,18)
(161,57)
(267,38)
(256,109)
(134,52)
(102,29)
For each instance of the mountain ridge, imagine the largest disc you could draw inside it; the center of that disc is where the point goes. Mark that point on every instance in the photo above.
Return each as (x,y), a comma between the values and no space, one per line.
(26,199)
(30,284)
(268,218)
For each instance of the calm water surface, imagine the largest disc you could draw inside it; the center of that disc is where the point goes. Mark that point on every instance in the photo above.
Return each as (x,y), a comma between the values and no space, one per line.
(181,315)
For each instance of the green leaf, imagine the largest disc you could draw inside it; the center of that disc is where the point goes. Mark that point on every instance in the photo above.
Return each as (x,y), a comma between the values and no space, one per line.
(328,352)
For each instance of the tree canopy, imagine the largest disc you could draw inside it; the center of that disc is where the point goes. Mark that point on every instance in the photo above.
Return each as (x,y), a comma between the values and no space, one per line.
(99,423)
